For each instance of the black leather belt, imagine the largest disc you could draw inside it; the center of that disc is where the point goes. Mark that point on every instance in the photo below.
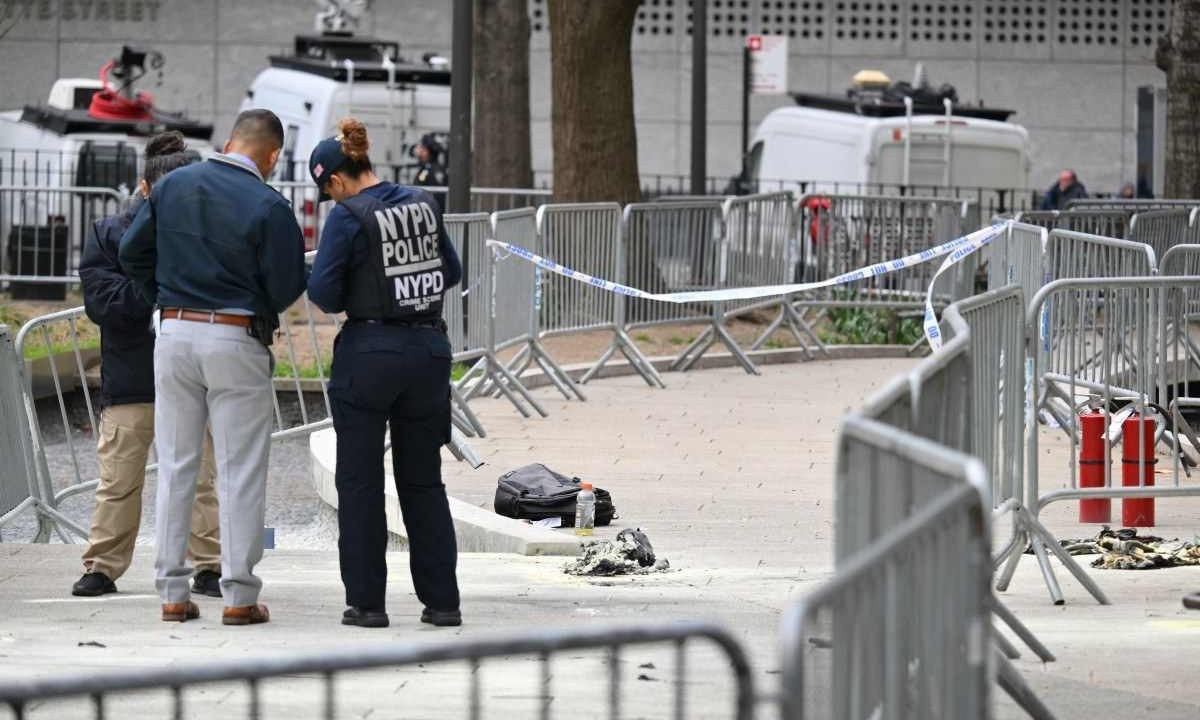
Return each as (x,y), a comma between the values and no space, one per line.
(438,324)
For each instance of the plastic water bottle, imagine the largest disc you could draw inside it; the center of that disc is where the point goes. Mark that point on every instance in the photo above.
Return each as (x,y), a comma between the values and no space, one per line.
(585,510)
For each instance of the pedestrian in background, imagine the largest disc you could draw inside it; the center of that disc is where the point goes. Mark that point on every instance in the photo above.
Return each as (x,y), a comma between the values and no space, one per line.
(127,401)
(1066,189)
(386,261)
(220,253)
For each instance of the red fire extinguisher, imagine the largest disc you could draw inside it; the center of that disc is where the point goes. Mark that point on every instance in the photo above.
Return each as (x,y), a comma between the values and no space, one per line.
(1138,462)
(1092,462)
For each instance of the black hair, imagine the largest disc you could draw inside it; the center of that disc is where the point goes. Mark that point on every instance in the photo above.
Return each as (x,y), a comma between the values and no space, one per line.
(165,152)
(258,127)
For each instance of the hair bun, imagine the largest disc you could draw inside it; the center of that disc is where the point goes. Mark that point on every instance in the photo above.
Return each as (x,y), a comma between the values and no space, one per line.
(354,139)
(165,143)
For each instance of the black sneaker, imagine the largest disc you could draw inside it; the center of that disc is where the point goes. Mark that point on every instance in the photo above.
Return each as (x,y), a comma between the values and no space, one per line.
(442,618)
(93,584)
(1192,602)
(365,618)
(207,582)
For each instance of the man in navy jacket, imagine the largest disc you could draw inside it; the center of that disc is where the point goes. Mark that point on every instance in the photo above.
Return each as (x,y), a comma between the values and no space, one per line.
(220,253)
(127,401)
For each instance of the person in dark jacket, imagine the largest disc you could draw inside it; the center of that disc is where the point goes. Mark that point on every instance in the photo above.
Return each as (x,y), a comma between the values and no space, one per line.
(219,251)
(1067,188)
(429,171)
(386,261)
(127,401)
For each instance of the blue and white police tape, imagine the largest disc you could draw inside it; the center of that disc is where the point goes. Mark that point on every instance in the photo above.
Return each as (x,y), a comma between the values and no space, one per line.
(933,332)
(976,239)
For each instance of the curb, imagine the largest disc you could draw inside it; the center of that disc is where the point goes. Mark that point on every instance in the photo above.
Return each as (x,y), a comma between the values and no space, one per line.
(476,529)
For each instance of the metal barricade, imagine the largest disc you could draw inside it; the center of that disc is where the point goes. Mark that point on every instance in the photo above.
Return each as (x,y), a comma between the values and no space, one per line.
(561,694)
(841,233)
(1018,257)
(18,475)
(1111,223)
(1072,254)
(759,248)
(506,303)
(901,630)
(670,246)
(310,212)
(1163,229)
(1132,205)
(465,307)
(996,349)
(42,234)
(1104,344)
(62,351)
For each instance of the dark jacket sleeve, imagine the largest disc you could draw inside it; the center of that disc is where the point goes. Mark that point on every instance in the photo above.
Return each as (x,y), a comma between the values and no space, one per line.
(138,253)
(281,258)
(109,297)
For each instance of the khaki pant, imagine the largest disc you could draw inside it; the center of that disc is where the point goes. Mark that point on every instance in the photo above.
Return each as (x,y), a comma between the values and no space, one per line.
(126,432)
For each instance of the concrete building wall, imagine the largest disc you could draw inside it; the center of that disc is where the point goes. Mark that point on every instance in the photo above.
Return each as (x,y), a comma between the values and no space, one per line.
(1070,68)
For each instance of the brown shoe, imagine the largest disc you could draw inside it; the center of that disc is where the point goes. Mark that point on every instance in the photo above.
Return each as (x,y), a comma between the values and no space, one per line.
(246,615)
(178,612)
(1192,601)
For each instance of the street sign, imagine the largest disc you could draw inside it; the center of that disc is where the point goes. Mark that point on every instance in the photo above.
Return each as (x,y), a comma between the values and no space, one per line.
(768,64)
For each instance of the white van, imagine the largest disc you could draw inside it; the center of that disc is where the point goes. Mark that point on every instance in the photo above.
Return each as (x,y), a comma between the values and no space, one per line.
(840,145)
(72,161)
(334,75)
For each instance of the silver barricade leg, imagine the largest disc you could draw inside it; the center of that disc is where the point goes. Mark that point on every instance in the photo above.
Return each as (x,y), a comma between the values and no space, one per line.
(1010,680)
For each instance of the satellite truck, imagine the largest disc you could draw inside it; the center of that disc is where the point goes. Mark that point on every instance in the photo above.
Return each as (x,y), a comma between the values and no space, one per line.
(333,74)
(884,135)
(72,161)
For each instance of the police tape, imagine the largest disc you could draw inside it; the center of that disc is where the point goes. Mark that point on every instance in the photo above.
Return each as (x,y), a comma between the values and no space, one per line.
(933,331)
(977,239)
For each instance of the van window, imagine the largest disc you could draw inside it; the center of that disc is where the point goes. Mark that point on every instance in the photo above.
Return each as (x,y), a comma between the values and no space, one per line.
(285,169)
(754,160)
(109,166)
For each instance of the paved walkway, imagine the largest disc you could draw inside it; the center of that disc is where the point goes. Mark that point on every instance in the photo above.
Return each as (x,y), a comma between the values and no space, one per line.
(731,477)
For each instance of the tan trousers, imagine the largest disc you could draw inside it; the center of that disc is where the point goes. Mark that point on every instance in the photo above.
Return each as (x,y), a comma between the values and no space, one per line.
(126,432)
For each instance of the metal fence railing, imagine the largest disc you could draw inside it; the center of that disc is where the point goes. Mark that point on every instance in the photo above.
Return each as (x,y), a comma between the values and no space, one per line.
(18,464)
(902,629)
(1164,229)
(1134,205)
(1118,346)
(1072,254)
(42,234)
(557,694)
(1107,222)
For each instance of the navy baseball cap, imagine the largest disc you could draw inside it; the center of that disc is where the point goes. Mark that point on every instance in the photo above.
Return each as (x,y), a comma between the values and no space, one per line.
(326,159)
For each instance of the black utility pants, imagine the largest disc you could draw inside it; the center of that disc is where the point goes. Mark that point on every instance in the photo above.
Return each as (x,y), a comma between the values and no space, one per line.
(399,375)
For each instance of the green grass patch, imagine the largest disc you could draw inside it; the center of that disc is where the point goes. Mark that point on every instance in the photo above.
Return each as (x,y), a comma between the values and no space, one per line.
(309,371)
(642,338)
(869,326)
(774,344)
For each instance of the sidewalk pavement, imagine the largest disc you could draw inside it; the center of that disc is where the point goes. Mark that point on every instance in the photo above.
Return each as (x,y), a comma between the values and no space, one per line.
(731,477)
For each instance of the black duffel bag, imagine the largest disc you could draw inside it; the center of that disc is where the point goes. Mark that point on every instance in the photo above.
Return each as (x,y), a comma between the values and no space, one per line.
(535,492)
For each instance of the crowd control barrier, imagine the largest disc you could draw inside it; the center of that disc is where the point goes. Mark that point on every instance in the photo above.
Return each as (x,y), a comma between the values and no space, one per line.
(339,683)
(1107,222)
(42,234)
(1164,229)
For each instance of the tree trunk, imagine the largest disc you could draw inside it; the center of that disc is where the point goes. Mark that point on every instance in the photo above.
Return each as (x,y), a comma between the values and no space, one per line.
(1179,56)
(501,84)
(591,77)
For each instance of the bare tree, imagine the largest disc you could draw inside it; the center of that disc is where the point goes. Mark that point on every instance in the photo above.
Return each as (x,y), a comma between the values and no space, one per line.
(591,78)
(1178,56)
(501,89)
